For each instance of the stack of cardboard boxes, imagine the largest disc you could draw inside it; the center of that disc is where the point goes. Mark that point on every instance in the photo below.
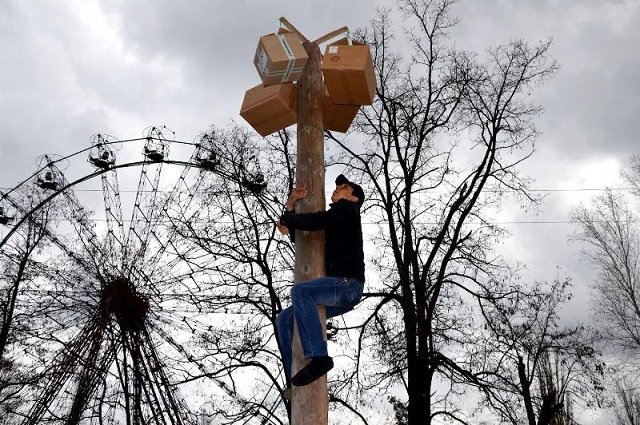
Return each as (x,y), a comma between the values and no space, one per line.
(280,59)
(349,82)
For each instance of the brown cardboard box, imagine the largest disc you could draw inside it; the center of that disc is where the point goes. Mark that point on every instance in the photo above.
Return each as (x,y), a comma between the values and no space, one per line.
(280,58)
(337,117)
(348,73)
(271,108)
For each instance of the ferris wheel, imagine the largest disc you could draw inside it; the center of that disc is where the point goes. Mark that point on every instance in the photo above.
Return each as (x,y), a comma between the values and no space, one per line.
(112,302)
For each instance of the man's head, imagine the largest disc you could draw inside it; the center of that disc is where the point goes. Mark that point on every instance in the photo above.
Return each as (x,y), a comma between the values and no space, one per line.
(347,190)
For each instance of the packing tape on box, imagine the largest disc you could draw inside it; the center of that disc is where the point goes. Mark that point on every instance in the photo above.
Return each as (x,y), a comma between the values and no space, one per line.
(261,57)
(282,73)
(290,56)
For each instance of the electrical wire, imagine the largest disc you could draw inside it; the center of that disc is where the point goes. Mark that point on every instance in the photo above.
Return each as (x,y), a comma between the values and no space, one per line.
(561,190)
(364,223)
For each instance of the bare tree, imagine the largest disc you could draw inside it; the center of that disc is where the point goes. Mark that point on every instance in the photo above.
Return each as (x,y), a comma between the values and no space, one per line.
(609,230)
(231,229)
(18,269)
(15,259)
(249,265)
(536,368)
(632,174)
(434,246)
(628,412)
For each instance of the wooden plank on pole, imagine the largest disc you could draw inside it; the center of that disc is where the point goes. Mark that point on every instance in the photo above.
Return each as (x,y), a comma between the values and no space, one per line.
(310,404)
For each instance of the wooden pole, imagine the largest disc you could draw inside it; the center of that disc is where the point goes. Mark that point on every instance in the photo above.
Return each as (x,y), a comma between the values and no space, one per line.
(310,404)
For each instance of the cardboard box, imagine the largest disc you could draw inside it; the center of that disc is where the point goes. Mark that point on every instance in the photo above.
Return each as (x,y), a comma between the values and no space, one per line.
(270,108)
(337,117)
(280,58)
(349,74)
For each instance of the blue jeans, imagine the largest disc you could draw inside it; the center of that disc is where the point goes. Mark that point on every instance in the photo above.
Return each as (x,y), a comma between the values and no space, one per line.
(337,294)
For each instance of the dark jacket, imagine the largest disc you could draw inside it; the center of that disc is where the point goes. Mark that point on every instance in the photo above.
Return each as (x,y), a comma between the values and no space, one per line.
(344,256)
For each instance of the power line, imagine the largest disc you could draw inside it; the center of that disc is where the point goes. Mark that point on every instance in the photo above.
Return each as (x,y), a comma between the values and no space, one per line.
(500,223)
(433,223)
(581,189)
(594,189)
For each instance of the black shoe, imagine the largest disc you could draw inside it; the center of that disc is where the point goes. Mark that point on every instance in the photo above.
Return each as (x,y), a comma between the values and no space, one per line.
(314,370)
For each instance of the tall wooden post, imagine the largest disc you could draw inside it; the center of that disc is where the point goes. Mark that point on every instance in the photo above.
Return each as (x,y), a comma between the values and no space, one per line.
(310,404)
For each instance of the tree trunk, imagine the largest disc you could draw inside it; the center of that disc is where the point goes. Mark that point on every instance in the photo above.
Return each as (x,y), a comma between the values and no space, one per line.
(7,318)
(526,392)
(419,375)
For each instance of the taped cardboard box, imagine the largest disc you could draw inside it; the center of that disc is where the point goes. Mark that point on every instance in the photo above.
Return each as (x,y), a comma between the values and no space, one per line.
(270,108)
(337,117)
(280,58)
(348,73)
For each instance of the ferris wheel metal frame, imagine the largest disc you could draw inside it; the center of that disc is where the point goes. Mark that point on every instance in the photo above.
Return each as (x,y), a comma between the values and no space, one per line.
(117,334)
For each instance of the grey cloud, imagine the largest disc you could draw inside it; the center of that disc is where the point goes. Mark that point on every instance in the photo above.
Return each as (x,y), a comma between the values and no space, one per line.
(187,65)
(592,102)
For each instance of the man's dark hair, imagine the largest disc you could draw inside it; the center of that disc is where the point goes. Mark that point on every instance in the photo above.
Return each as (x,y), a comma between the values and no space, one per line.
(356,189)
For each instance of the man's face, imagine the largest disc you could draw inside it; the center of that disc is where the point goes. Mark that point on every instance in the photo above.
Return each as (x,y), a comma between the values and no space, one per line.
(343,191)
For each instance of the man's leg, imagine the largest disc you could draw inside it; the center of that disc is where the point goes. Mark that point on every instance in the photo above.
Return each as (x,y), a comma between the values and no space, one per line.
(284,321)
(304,299)
(327,291)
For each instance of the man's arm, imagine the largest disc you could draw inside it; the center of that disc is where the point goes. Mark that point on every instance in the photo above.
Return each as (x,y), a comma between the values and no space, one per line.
(304,221)
(308,221)
(290,205)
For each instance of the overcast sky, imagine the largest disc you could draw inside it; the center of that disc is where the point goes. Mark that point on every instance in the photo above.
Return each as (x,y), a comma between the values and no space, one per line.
(70,69)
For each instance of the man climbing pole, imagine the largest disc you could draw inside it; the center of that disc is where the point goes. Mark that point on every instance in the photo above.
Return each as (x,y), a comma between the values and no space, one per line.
(339,291)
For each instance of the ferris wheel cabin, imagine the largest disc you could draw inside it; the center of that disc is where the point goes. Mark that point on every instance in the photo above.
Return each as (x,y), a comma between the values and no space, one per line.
(104,159)
(47,180)
(155,150)
(5,218)
(255,183)
(208,162)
